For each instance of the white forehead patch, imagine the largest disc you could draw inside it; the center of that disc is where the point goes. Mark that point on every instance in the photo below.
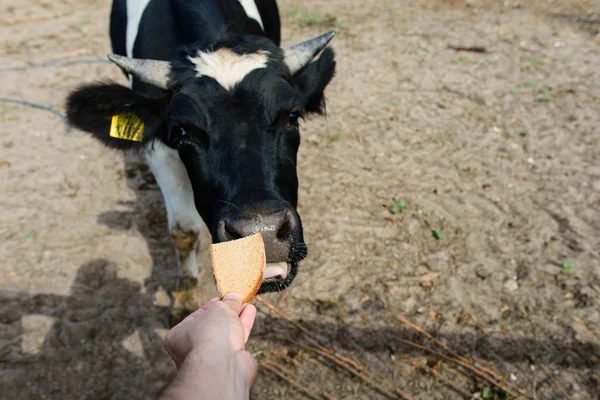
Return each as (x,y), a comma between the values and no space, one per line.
(227,67)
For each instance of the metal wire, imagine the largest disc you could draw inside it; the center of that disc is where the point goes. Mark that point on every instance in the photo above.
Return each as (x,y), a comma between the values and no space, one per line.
(56,63)
(41,107)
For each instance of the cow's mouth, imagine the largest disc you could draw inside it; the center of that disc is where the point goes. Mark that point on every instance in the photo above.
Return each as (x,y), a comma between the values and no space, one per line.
(275,271)
(278,276)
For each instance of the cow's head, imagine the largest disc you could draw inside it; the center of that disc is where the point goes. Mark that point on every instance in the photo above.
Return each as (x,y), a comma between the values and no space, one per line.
(231,111)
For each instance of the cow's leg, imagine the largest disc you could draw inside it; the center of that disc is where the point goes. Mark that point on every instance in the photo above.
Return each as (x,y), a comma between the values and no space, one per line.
(185,223)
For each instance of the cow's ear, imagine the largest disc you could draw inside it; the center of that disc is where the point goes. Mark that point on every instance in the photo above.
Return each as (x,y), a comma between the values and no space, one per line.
(115,115)
(312,80)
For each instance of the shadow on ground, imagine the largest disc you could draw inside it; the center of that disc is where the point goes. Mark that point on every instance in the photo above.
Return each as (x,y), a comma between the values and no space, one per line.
(105,336)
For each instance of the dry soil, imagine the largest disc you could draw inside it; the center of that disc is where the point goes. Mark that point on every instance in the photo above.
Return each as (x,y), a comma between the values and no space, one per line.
(457,189)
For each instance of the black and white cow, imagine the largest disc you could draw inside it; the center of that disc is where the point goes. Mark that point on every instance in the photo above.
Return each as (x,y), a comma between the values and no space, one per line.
(214,104)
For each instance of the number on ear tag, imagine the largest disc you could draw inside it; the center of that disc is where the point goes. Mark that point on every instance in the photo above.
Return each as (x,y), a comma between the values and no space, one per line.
(127,126)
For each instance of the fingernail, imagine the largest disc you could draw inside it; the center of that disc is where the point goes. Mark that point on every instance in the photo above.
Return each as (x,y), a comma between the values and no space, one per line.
(232,296)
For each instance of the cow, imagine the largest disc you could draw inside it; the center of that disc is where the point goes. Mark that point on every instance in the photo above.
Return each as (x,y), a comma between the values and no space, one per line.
(214,103)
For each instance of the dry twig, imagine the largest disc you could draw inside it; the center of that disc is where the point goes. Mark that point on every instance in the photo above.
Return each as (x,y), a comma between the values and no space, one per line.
(472,49)
(578,18)
(456,373)
(427,335)
(449,383)
(341,361)
(470,367)
(354,372)
(280,313)
(272,368)
(403,394)
(310,336)
(479,368)
(558,386)
(533,388)
(353,363)
(488,371)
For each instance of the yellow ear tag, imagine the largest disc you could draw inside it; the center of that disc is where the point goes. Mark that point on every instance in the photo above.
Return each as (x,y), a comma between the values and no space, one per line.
(127,126)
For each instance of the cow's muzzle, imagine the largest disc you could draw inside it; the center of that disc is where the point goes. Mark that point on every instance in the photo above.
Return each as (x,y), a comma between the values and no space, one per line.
(282,235)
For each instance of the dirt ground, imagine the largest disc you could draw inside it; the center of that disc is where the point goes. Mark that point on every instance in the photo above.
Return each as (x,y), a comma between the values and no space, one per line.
(459,190)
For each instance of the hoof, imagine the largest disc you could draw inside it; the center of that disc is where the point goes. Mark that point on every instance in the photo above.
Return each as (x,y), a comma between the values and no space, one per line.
(187,283)
(186,299)
(177,315)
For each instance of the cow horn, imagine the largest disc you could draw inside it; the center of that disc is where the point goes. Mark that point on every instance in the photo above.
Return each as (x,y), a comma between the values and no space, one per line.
(299,55)
(150,71)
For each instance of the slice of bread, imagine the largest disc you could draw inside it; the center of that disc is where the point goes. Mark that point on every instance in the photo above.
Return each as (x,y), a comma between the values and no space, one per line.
(238,266)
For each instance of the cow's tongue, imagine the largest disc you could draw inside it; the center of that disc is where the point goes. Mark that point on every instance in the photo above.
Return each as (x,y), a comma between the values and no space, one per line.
(275,271)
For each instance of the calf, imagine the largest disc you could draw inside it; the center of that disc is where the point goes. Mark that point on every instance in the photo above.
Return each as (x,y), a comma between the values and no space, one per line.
(215,105)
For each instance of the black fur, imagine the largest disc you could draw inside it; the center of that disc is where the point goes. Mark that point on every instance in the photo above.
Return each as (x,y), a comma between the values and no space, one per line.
(312,80)
(118,26)
(270,16)
(91,108)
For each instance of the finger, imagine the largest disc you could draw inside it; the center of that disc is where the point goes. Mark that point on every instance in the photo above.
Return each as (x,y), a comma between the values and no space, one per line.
(192,316)
(170,345)
(234,302)
(247,317)
(201,310)
(209,303)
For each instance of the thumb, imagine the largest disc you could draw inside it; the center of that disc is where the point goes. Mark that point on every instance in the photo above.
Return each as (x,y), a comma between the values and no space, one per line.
(234,302)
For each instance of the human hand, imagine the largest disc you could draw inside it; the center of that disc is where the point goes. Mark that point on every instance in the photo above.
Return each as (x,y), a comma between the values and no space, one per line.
(210,344)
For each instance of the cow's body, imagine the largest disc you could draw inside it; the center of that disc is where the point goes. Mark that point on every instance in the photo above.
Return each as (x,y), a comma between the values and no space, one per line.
(156,30)
(225,61)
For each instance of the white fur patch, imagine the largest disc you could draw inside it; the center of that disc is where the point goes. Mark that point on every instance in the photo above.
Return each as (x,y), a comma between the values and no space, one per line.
(252,11)
(176,188)
(135,9)
(227,67)
(174,182)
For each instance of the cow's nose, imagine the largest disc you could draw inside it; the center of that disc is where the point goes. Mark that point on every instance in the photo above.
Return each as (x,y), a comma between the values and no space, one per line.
(276,229)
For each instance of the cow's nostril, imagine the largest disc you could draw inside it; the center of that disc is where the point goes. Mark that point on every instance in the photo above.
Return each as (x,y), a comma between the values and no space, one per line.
(234,229)
(284,232)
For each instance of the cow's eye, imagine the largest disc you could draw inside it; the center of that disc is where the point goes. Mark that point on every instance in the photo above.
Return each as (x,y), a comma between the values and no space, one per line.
(294,117)
(176,133)
(289,119)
